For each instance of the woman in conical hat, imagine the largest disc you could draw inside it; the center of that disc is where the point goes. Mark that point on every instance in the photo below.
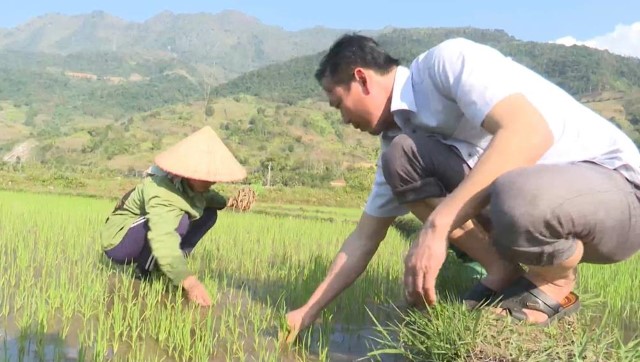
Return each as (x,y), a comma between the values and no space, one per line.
(160,221)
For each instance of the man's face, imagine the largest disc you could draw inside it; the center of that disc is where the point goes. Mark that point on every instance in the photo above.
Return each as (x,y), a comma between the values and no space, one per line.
(360,102)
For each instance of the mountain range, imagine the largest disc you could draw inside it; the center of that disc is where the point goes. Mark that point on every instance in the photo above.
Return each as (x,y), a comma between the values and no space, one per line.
(94,90)
(229,41)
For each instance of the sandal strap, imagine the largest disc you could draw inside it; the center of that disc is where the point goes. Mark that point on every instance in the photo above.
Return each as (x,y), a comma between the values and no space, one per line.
(523,294)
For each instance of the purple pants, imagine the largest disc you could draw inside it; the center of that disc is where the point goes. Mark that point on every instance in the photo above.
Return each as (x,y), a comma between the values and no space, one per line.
(134,247)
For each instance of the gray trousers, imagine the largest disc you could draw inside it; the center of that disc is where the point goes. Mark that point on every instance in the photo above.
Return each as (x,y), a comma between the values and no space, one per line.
(535,213)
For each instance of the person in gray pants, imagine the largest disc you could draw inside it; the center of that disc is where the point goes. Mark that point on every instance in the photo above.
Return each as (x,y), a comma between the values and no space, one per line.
(491,157)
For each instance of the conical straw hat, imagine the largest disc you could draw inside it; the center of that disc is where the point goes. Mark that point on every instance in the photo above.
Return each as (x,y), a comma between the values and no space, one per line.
(201,156)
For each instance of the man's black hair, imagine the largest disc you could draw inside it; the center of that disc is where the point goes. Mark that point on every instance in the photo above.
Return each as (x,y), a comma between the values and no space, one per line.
(352,51)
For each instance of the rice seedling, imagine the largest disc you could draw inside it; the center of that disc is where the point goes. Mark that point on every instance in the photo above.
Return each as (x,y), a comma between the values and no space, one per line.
(256,266)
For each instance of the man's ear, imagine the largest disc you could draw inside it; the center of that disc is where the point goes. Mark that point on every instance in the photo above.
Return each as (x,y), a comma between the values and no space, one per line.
(361,78)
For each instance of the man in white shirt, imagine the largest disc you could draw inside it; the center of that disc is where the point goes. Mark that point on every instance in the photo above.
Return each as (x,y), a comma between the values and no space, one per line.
(470,137)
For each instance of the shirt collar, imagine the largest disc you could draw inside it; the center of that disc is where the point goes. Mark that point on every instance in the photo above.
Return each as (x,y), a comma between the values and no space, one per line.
(402,94)
(157,171)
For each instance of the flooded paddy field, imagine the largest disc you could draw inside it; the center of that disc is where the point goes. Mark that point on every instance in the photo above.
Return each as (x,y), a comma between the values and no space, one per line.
(60,300)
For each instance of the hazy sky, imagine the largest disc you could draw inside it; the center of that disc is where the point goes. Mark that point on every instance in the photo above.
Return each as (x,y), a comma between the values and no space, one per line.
(612,24)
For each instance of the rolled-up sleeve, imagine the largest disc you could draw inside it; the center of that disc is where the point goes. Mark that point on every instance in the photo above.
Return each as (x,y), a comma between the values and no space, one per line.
(381,201)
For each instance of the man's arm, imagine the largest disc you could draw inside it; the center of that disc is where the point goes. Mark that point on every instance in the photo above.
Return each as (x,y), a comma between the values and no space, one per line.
(521,136)
(352,259)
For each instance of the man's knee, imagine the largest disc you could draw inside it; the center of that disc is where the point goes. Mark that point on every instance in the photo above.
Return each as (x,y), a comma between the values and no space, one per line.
(417,169)
(398,162)
(524,227)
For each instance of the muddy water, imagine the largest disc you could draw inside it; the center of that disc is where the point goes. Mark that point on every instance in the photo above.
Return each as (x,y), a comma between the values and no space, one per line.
(350,344)
(345,343)
(44,347)
(630,331)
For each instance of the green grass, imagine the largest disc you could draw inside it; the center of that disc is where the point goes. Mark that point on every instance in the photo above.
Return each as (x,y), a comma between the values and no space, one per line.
(309,212)
(448,332)
(98,182)
(11,113)
(58,294)
(285,135)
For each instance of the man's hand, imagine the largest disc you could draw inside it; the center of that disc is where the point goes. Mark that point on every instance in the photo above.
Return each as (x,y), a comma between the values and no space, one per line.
(297,320)
(422,265)
(350,262)
(196,292)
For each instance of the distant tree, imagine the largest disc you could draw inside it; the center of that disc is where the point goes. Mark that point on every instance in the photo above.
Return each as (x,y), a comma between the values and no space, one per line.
(209,111)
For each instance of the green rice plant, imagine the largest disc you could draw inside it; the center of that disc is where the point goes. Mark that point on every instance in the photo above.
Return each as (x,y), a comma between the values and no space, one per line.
(204,337)
(4,301)
(101,331)
(616,287)
(118,322)
(68,311)
(257,266)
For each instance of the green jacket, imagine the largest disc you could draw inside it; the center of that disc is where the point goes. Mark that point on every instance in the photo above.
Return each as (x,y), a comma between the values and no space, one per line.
(163,202)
